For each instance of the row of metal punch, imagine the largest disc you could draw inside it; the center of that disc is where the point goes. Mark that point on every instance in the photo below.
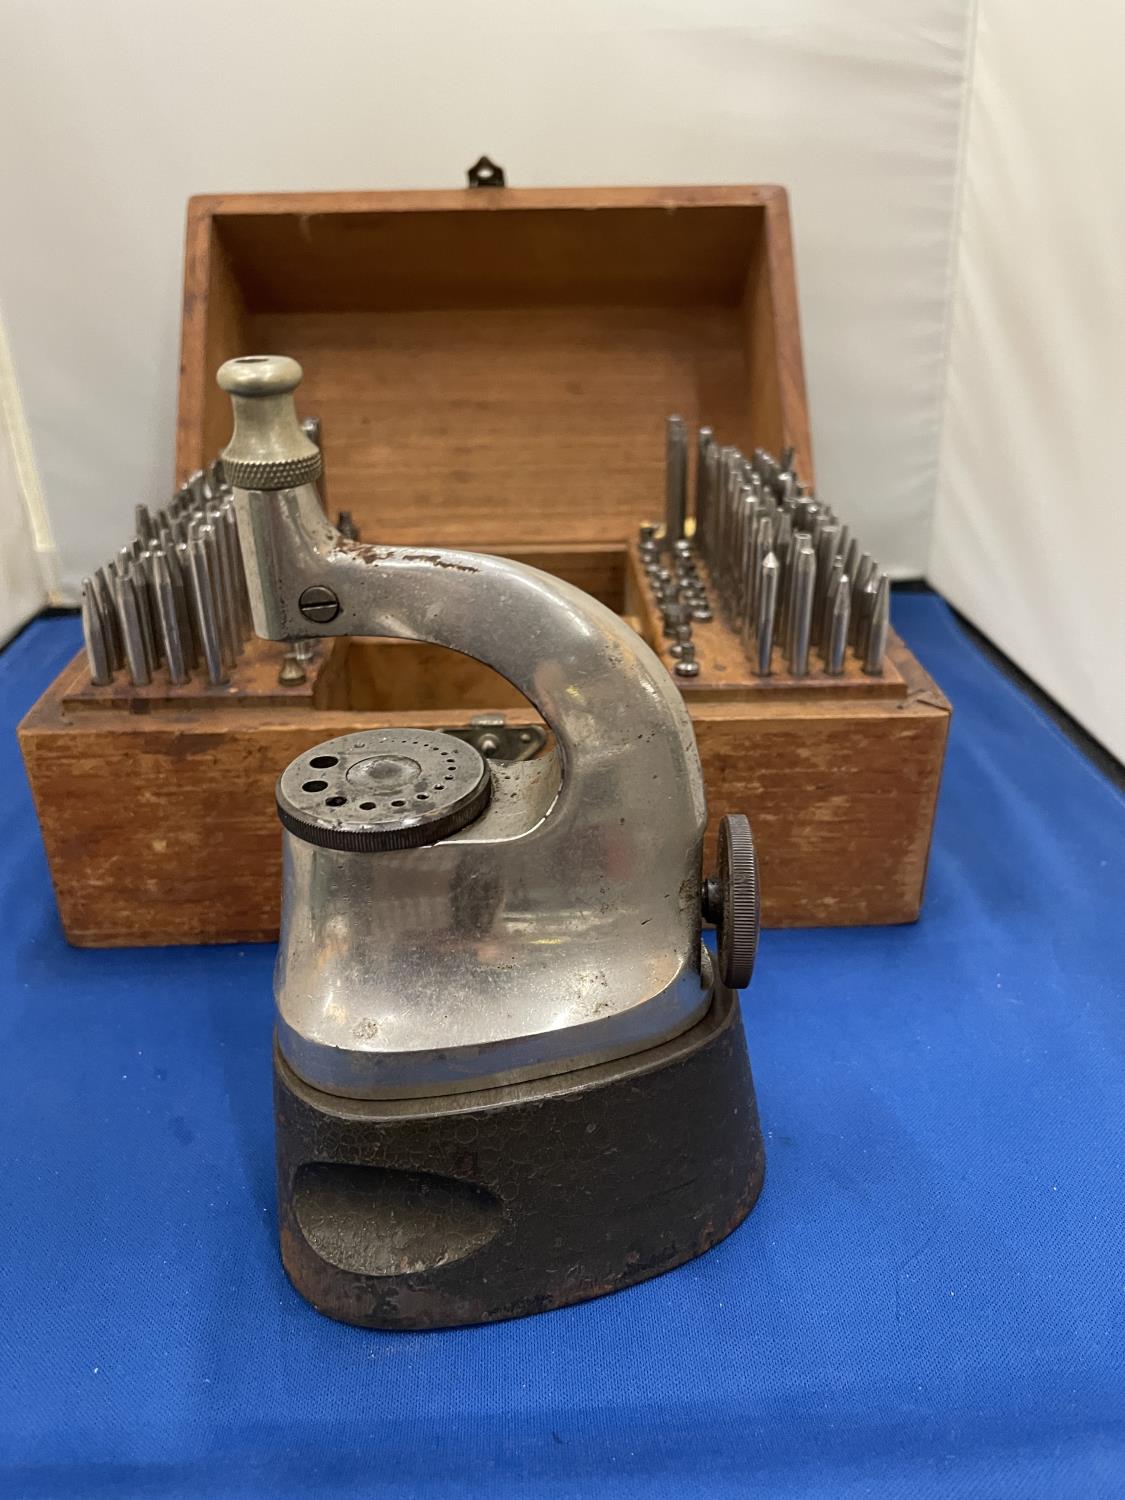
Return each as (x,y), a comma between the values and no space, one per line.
(174,598)
(788,574)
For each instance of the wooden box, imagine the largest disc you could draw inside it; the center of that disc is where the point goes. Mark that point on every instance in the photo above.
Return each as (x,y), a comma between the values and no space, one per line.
(492,370)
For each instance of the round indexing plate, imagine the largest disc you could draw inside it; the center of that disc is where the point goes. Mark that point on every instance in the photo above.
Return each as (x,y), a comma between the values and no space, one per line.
(383,789)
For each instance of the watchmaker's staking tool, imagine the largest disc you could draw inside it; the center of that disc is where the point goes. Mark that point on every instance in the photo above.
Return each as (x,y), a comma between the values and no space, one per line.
(506,1075)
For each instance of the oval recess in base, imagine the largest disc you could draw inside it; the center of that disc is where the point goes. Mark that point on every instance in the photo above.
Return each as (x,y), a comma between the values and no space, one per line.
(378,1221)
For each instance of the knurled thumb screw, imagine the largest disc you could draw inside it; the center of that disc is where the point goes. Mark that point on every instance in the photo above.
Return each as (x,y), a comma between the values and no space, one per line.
(730,900)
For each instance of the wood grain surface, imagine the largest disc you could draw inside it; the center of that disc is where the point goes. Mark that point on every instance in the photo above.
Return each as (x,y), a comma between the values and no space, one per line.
(476,356)
(160,826)
(492,370)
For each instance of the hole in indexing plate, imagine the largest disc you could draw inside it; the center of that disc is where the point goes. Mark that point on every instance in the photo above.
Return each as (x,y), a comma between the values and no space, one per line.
(398,802)
(334,801)
(314,786)
(321,761)
(368,806)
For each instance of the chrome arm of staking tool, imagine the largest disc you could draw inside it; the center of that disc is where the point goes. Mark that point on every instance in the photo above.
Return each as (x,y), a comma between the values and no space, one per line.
(550,919)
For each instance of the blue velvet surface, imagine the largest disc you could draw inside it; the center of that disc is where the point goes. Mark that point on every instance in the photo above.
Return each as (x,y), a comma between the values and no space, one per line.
(927,1300)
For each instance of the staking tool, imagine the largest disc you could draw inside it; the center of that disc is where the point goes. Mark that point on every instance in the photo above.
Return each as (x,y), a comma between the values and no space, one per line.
(508,1073)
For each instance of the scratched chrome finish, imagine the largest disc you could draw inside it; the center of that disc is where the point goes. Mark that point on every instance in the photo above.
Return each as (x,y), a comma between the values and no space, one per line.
(560,929)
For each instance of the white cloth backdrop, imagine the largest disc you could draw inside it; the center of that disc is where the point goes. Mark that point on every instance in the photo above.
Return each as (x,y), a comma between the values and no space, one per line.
(1029,535)
(24,572)
(22,590)
(114,111)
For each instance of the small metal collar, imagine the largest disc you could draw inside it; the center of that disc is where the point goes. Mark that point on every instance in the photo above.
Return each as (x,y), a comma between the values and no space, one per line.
(383,789)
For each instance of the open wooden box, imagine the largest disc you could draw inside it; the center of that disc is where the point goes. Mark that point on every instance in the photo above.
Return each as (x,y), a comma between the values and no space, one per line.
(492,370)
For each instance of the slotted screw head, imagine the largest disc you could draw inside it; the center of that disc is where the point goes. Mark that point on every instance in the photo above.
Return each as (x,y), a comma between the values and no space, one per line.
(319,603)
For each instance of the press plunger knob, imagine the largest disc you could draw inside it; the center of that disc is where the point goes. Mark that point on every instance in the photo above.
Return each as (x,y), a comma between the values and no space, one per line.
(731,901)
(268,449)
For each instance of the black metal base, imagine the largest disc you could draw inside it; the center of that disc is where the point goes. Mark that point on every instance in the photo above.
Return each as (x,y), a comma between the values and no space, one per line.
(468,1208)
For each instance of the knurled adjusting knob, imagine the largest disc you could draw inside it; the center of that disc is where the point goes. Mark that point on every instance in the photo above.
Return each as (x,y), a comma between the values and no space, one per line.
(269,449)
(731,901)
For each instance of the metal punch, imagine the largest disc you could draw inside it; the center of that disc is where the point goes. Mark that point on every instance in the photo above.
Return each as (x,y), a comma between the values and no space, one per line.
(746,510)
(183,611)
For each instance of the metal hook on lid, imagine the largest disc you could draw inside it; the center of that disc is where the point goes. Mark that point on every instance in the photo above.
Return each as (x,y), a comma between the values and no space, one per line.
(484,172)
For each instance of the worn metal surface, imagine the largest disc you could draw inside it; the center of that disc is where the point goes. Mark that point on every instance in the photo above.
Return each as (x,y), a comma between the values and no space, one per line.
(504,1202)
(491,737)
(563,926)
(382,789)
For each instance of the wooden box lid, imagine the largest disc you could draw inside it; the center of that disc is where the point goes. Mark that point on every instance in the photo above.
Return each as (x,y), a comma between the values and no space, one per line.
(494,366)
